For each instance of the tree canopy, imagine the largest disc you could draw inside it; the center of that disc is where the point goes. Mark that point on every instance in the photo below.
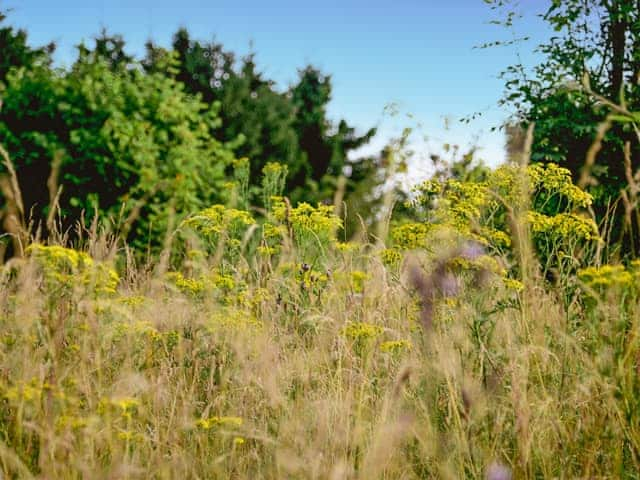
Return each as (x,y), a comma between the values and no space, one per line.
(134,146)
(138,140)
(590,66)
(264,123)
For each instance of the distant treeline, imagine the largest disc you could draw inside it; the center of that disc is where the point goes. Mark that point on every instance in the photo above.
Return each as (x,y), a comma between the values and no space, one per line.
(137,139)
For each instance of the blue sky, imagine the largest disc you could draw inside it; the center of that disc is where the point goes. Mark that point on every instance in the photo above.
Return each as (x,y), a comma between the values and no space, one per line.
(416,54)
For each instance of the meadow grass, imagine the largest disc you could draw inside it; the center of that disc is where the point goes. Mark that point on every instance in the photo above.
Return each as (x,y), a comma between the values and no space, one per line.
(281,369)
(271,350)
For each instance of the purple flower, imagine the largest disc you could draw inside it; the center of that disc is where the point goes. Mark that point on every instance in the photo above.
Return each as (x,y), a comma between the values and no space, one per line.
(498,471)
(471,251)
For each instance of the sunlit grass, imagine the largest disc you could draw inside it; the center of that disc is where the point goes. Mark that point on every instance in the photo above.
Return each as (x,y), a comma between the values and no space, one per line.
(270,367)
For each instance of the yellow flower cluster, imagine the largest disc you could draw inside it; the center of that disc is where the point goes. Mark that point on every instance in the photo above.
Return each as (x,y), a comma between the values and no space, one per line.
(138,328)
(410,236)
(66,268)
(557,180)
(391,257)
(133,301)
(320,219)
(71,422)
(485,263)
(219,223)
(359,331)
(219,219)
(313,228)
(465,202)
(542,182)
(234,319)
(513,284)
(23,392)
(358,279)
(196,287)
(126,407)
(396,346)
(563,225)
(353,280)
(219,422)
(273,169)
(608,276)
(189,286)
(274,231)
(480,210)
(347,247)
(493,236)
(310,278)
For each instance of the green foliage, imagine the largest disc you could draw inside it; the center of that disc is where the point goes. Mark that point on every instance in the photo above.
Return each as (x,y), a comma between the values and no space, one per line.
(264,124)
(459,165)
(255,117)
(241,173)
(16,52)
(222,228)
(325,152)
(141,143)
(597,41)
(274,176)
(134,145)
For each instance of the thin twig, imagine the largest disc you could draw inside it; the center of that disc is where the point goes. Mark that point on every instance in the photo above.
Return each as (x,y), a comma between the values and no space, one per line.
(15,186)
(590,160)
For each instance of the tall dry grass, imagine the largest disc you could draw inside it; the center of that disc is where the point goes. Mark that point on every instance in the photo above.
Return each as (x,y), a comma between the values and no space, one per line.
(279,369)
(294,381)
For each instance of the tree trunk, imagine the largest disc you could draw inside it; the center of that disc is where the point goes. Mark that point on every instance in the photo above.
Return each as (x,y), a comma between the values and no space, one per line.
(618,26)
